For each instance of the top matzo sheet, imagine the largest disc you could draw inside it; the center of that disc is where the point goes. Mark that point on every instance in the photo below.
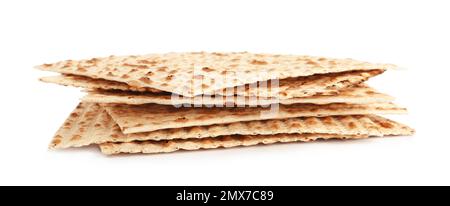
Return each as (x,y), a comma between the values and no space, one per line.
(197,73)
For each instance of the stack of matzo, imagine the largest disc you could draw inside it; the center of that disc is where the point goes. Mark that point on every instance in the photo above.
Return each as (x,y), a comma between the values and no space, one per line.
(189,101)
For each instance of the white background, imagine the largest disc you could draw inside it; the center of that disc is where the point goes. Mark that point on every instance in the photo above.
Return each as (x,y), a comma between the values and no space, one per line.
(412,34)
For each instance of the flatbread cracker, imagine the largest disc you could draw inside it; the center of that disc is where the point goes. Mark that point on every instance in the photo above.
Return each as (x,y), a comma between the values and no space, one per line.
(176,72)
(361,94)
(151,117)
(323,84)
(150,147)
(97,127)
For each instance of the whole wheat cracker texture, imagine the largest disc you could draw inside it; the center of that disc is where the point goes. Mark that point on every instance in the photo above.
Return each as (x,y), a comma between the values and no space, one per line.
(90,124)
(360,94)
(176,72)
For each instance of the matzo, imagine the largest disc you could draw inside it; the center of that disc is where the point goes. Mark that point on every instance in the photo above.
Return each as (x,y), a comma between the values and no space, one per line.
(98,127)
(325,84)
(361,94)
(176,72)
(151,117)
(150,147)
